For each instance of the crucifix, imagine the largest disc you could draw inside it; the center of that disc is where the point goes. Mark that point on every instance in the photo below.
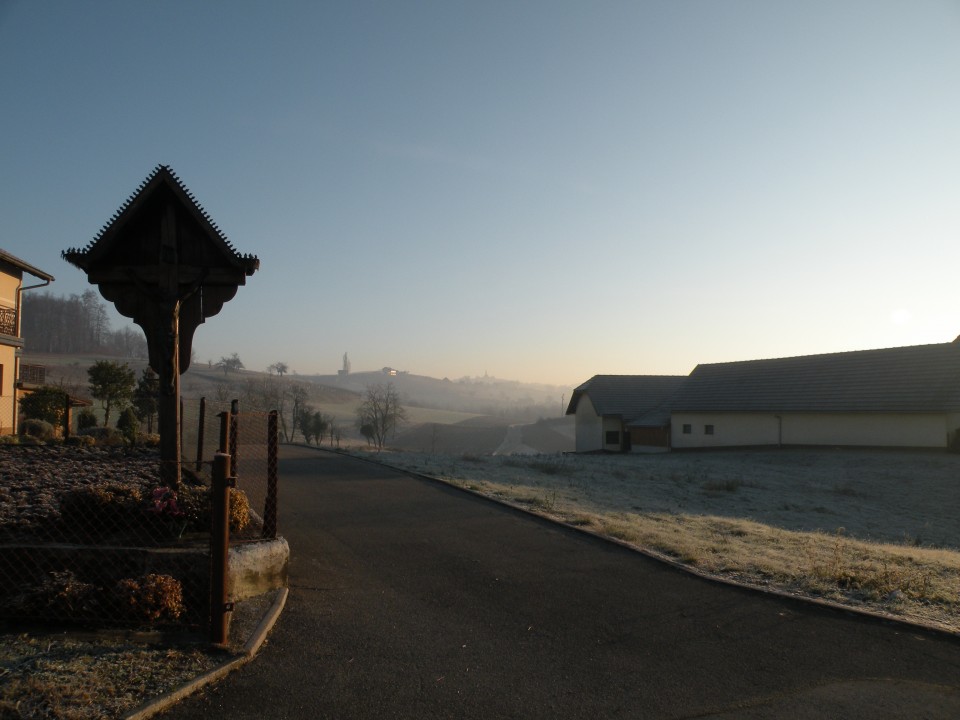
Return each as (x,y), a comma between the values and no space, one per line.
(163,263)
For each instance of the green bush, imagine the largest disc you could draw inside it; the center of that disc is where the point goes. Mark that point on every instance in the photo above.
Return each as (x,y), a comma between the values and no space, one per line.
(29,440)
(80,441)
(194,502)
(40,429)
(129,424)
(148,439)
(86,418)
(45,403)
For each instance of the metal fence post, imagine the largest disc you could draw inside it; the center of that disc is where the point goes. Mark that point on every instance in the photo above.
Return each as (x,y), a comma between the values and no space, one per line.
(180,430)
(66,416)
(234,434)
(219,548)
(270,503)
(200,423)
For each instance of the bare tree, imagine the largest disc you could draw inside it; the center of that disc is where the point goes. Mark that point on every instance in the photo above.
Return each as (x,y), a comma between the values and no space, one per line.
(380,413)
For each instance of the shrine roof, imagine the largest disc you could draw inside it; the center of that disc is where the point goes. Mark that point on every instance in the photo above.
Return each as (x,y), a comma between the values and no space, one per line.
(136,226)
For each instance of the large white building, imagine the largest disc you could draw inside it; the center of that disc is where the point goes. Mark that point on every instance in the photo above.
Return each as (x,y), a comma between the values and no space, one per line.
(895,397)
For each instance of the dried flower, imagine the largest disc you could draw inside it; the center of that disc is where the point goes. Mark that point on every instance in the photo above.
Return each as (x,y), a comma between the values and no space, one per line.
(163,504)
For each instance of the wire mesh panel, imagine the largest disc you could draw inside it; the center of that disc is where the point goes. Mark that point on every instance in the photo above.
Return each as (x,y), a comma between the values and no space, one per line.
(89,535)
(254,458)
(252,446)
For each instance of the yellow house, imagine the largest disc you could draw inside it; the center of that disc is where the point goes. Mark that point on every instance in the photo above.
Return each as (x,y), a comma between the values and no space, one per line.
(12,270)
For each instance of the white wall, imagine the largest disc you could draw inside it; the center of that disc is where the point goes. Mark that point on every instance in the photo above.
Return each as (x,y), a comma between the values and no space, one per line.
(876,429)
(589,426)
(591,429)
(611,424)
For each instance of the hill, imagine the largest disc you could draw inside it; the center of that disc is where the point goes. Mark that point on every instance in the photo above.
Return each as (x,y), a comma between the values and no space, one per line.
(469,415)
(509,400)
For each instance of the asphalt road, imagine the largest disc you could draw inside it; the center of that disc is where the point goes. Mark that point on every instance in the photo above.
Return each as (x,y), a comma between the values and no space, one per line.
(413,600)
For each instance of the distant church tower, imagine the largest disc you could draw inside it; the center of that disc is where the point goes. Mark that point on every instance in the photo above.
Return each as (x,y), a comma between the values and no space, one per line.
(346,366)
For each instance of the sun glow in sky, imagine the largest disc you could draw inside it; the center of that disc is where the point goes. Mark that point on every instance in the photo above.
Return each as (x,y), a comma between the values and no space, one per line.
(540,191)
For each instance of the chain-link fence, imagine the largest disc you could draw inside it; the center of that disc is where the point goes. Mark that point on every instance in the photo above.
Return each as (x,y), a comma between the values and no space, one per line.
(91,535)
(8,418)
(252,446)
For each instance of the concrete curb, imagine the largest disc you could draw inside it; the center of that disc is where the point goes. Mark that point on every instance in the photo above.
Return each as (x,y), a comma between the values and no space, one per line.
(250,650)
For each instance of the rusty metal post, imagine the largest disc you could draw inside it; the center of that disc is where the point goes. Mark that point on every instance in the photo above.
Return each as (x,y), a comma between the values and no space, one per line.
(219,548)
(182,449)
(200,422)
(225,423)
(270,504)
(234,435)
(66,415)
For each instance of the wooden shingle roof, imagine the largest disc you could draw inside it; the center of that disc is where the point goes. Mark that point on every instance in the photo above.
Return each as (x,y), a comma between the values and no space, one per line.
(131,236)
(626,396)
(915,379)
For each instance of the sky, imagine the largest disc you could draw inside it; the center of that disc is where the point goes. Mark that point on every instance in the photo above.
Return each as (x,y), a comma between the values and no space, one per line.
(539,190)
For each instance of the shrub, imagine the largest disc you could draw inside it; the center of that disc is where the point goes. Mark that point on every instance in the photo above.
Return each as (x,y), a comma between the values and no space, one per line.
(63,596)
(40,429)
(29,440)
(129,424)
(86,418)
(239,510)
(194,503)
(80,441)
(9,440)
(45,403)
(150,598)
(101,510)
(109,437)
(148,439)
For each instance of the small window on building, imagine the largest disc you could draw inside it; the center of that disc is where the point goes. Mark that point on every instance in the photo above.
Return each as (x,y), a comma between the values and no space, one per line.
(708,429)
(613,437)
(687,429)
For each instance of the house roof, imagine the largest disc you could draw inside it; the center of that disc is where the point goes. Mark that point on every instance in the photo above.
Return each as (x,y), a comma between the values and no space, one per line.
(26,267)
(920,378)
(628,396)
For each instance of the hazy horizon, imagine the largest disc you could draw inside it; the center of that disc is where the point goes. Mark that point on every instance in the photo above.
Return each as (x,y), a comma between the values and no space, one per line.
(541,191)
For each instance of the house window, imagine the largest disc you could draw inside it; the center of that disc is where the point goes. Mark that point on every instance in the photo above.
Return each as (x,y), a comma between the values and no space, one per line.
(613,437)
(687,429)
(708,429)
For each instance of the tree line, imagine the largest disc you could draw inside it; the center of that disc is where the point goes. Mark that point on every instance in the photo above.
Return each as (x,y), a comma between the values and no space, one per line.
(76,324)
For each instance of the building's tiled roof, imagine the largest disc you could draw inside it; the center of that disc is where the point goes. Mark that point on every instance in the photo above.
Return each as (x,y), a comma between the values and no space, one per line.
(26,267)
(627,396)
(920,378)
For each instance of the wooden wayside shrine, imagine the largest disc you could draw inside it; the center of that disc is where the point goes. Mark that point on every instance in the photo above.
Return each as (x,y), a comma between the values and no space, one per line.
(163,263)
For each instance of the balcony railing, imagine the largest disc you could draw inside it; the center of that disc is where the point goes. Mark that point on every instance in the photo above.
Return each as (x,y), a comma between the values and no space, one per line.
(33,374)
(8,321)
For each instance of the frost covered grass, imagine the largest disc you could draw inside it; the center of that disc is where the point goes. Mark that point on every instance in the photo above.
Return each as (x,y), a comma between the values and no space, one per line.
(871,529)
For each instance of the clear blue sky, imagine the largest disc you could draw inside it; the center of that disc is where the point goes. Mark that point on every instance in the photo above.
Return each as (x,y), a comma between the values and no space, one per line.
(535,190)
